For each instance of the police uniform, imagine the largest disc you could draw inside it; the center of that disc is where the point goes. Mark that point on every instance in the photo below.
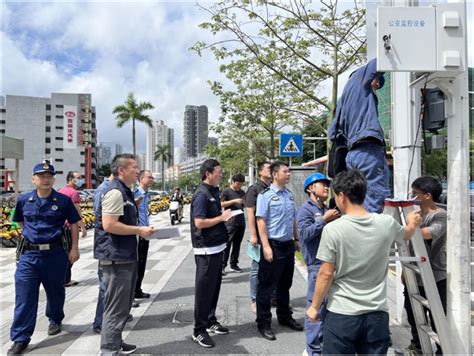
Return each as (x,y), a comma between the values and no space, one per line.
(43,260)
(277,207)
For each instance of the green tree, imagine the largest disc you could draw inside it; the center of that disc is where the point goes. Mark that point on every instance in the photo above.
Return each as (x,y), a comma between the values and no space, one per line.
(104,170)
(302,43)
(162,152)
(131,110)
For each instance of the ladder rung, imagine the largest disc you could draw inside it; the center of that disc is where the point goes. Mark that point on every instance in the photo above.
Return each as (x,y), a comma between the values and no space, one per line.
(421,300)
(412,267)
(428,331)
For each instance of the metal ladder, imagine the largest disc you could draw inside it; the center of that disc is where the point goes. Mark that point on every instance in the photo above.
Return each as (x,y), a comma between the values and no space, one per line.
(418,263)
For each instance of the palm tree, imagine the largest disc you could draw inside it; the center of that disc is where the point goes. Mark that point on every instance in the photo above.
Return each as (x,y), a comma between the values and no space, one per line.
(131,110)
(162,152)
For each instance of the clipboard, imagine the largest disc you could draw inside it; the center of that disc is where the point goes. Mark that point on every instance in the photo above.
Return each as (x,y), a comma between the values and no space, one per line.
(164,233)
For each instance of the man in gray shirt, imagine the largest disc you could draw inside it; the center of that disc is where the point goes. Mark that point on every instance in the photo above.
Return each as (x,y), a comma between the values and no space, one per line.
(427,190)
(354,251)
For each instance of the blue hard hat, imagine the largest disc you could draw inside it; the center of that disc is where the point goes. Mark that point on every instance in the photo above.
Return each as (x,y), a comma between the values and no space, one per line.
(44,167)
(315,177)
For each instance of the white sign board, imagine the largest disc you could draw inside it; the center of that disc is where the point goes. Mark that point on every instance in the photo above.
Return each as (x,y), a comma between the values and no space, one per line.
(70,126)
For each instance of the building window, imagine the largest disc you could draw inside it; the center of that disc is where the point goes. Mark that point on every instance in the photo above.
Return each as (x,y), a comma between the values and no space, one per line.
(59,117)
(58,149)
(59,138)
(48,106)
(59,160)
(59,172)
(47,151)
(48,118)
(3,110)
(2,131)
(48,128)
(2,121)
(48,140)
(83,164)
(59,106)
(59,127)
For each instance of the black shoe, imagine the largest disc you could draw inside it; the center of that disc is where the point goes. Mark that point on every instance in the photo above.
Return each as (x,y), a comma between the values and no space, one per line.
(217,329)
(127,348)
(54,329)
(129,318)
(142,295)
(97,329)
(236,269)
(292,324)
(267,332)
(135,304)
(204,340)
(17,348)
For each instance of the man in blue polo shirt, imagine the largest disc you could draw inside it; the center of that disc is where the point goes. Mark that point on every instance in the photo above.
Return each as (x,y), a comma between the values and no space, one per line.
(42,214)
(279,236)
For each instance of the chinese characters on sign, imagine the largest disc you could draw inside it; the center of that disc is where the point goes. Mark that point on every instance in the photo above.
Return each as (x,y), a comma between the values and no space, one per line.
(407,23)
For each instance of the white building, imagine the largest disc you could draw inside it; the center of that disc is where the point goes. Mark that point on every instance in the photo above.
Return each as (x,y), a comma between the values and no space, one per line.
(192,164)
(57,129)
(159,135)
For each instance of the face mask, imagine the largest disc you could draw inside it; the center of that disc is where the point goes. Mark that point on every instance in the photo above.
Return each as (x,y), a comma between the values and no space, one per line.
(79,182)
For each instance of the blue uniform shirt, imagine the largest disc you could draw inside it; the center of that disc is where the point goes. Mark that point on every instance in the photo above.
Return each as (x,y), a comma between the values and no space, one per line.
(356,109)
(310,227)
(278,208)
(43,219)
(143,207)
(99,192)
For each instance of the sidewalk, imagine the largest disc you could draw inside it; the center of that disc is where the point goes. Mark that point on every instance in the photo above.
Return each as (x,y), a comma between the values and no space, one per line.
(162,324)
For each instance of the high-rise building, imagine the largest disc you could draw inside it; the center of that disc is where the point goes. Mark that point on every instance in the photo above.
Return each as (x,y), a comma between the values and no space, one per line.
(104,153)
(195,130)
(159,135)
(57,129)
(141,161)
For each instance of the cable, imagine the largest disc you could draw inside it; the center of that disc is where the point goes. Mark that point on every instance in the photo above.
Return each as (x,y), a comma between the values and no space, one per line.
(422,110)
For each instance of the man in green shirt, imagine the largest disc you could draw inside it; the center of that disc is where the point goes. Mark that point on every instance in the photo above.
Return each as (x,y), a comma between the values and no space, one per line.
(355,251)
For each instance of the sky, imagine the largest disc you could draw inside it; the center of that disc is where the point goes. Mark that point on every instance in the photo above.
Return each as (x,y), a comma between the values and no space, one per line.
(109,49)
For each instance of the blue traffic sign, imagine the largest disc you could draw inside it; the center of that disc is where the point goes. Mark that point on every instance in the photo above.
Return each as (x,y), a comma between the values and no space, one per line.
(291,145)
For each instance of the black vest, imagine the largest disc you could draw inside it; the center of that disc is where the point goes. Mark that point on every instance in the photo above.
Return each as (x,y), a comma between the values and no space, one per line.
(108,246)
(215,235)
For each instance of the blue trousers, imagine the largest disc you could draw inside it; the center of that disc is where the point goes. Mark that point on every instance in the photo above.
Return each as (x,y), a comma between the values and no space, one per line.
(314,331)
(253,279)
(99,310)
(366,334)
(370,159)
(35,268)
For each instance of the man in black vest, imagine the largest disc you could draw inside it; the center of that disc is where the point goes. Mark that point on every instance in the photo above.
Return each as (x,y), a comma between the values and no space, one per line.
(209,238)
(115,246)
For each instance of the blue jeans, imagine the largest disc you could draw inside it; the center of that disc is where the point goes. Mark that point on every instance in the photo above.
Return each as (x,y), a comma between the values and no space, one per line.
(314,331)
(370,159)
(99,310)
(253,279)
(362,334)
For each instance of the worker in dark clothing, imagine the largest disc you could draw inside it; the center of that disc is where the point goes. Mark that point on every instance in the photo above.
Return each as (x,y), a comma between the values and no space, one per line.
(209,238)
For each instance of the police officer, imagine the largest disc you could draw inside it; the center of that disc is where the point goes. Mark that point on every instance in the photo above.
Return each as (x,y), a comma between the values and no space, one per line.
(43,260)
(209,238)
(278,234)
(311,219)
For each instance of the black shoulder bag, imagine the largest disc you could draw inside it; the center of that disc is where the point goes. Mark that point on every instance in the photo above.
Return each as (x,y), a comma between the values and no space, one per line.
(337,154)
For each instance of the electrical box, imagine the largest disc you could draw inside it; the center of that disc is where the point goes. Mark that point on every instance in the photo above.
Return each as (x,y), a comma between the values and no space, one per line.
(421,39)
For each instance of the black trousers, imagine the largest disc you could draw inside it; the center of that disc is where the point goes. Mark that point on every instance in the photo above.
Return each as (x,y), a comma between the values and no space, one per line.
(442,290)
(236,234)
(276,274)
(208,286)
(143,246)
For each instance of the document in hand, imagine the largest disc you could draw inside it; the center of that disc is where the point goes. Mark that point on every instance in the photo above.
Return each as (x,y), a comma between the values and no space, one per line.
(165,233)
(253,252)
(235,213)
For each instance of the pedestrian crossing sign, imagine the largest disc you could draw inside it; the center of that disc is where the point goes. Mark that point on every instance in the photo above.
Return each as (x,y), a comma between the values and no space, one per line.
(291,145)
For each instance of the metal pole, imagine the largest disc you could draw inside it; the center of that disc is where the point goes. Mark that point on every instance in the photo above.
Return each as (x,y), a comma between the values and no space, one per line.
(458,236)
(251,163)
(406,142)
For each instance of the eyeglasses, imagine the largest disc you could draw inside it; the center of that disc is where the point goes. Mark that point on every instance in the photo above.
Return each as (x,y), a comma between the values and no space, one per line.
(415,193)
